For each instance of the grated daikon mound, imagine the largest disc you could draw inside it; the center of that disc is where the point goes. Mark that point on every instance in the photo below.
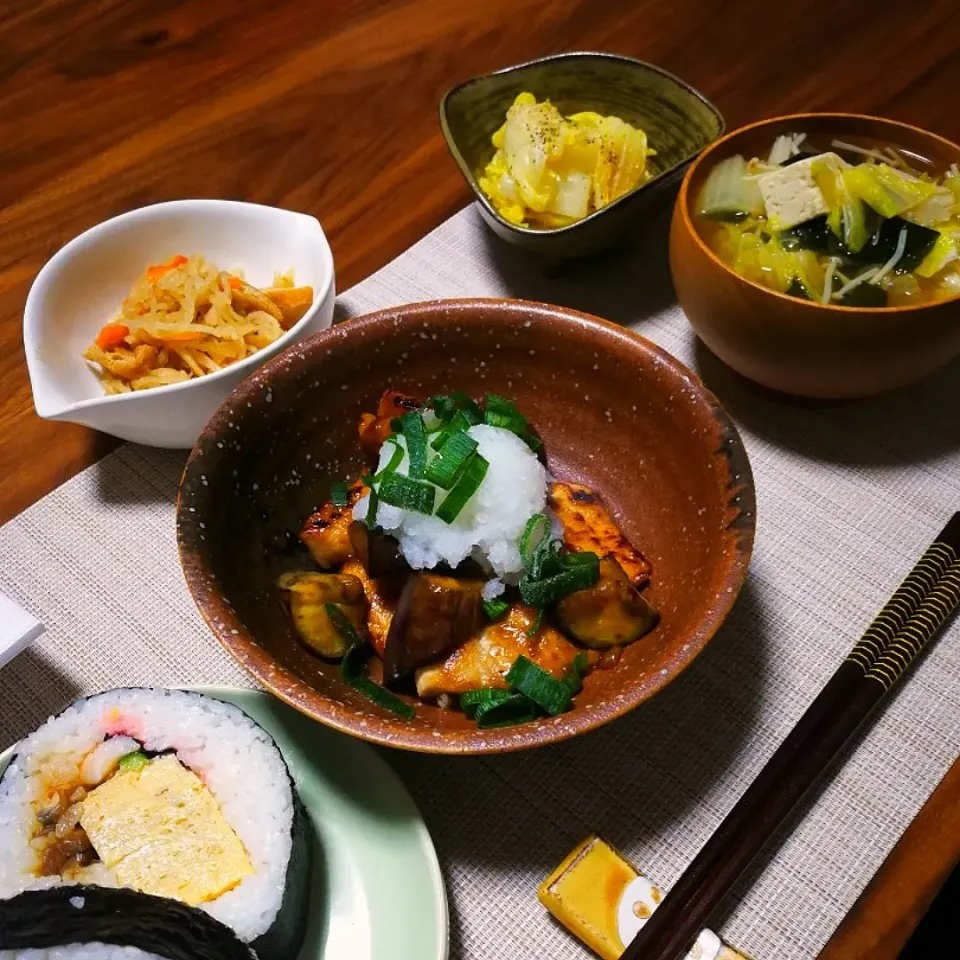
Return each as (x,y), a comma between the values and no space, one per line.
(489,526)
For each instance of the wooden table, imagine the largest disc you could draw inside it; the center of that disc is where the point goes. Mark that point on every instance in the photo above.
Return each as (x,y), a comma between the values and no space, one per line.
(330,108)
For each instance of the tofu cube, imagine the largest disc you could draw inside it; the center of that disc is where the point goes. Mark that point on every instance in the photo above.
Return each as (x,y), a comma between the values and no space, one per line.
(791,194)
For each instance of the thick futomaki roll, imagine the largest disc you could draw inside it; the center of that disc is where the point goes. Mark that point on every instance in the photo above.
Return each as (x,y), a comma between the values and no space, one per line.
(171,794)
(97,923)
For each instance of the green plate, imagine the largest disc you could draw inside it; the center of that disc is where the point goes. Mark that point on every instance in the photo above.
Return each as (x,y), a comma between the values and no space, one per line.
(376,878)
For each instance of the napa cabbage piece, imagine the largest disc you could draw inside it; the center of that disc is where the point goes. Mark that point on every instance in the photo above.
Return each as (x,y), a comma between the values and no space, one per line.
(549,170)
(758,255)
(939,208)
(952,182)
(847,217)
(730,192)
(890,192)
(943,252)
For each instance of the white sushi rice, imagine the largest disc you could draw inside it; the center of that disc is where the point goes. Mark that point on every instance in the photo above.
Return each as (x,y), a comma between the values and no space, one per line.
(489,527)
(81,951)
(234,757)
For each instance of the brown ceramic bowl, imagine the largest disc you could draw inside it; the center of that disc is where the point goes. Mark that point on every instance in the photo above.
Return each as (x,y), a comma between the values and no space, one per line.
(798,346)
(614,411)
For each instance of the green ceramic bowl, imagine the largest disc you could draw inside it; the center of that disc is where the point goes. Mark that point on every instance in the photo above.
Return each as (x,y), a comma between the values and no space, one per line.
(678,120)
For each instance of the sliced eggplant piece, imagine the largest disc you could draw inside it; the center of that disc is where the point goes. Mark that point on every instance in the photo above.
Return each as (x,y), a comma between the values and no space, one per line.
(326,534)
(589,527)
(309,593)
(376,550)
(485,660)
(376,427)
(434,615)
(382,595)
(610,613)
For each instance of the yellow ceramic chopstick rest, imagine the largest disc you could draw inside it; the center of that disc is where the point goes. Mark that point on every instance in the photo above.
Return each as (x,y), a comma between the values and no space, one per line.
(603,900)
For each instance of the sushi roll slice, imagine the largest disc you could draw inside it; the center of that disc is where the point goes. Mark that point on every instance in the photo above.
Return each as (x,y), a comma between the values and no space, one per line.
(167,793)
(98,923)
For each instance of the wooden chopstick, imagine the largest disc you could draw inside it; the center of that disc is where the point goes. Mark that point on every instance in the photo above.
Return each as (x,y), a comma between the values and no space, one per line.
(908,621)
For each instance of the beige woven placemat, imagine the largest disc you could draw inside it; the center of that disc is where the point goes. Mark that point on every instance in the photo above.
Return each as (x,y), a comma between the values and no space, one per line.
(849,496)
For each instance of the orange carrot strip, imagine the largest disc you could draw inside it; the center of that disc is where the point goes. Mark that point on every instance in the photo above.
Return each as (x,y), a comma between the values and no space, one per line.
(159,270)
(180,336)
(112,335)
(235,283)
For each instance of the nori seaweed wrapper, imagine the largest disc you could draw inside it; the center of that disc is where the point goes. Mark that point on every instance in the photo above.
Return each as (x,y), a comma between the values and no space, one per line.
(60,916)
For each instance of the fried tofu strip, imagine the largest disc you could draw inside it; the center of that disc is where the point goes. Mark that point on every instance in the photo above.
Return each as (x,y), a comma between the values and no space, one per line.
(326,533)
(293,302)
(249,298)
(485,660)
(374,428)
(588,526)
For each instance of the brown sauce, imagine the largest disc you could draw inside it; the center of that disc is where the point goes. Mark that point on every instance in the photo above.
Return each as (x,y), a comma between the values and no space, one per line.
(64,845)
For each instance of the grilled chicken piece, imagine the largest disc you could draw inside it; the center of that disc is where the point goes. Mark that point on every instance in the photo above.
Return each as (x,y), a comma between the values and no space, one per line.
(609,613)
(309,593)
(326,534)
(293,302)
(587,525)
(435,614)
(485,660)
(382,595)
(375,427)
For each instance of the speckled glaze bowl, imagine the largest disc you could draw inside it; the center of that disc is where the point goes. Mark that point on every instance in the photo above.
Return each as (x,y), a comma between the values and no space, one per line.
(614,411)
(678,121)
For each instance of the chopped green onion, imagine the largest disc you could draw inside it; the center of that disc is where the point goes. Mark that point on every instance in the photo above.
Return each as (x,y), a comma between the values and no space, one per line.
(473,700)
(537,624)
(575,575)
(415,431)
(444,469)
(495,609)
(372,503)
(395,460)
(352,671)
(537,528)
(545,550)
(446,406)
(508,713)
(340,494)
(500,412)
(401,491)
(459,423)
(344,627)
(133,761)
(573,678)
(542,688)
(497,708)
(463,490)
(352,667)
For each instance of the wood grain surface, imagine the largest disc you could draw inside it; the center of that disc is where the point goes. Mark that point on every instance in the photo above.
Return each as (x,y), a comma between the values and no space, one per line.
(330,107)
